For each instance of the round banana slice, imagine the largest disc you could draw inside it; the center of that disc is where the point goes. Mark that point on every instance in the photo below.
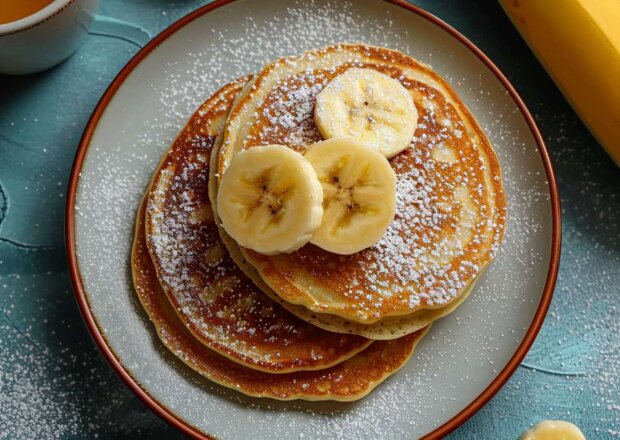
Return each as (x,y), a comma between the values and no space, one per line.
(270,200)
(553,429)
(359,195)
(367,106)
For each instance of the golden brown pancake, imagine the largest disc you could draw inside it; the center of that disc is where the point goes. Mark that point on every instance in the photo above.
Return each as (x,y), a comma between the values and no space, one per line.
(212,296)
(390,327)
(451,206)
(346,381)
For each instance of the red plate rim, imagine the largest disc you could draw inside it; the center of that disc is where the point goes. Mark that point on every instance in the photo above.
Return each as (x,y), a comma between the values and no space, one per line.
(166,413)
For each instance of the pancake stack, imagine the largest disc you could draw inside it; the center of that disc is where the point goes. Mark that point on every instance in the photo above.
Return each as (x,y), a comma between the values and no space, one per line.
(309,323)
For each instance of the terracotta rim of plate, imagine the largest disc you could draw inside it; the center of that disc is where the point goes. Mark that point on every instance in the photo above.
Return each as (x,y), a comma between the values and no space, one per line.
(166,413)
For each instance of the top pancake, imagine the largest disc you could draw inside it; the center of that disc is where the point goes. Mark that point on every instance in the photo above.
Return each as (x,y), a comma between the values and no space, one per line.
(212,296)
(451,208)
(390,327)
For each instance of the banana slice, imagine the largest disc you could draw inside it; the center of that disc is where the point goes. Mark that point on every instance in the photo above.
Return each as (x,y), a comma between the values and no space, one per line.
(270,199)
(359,195)
(367,106)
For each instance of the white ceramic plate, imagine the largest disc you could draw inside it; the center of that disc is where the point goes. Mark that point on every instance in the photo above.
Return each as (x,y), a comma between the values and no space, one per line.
(466,357)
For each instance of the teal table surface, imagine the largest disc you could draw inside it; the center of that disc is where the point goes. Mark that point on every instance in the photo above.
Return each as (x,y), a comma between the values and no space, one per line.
(55,384)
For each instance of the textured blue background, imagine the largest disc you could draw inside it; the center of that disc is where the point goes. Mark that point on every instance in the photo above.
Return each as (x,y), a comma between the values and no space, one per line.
(54,383)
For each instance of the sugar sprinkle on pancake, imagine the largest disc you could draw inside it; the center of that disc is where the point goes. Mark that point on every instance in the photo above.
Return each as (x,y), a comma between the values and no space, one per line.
(212,296)
(387,328)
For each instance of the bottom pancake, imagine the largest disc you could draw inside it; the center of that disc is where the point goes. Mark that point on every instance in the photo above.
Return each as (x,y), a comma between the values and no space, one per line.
(347,381)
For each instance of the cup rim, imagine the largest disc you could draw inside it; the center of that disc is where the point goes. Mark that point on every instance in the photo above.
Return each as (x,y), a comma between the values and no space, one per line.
(35,19)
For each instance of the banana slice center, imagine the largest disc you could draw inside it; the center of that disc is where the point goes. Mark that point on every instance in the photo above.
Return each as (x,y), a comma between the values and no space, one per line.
(264,201)
(344,196)
(271,199)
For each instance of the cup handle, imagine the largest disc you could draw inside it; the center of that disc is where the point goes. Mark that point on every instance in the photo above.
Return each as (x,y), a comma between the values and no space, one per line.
(113,28)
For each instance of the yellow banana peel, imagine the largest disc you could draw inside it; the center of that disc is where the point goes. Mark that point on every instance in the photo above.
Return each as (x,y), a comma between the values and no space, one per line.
(578,42)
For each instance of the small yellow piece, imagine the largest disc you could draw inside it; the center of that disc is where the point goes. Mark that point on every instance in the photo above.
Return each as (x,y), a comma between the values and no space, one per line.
(553,430)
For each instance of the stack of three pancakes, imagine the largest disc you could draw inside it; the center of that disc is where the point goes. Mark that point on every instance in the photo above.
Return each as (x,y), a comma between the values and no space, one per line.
(310,324)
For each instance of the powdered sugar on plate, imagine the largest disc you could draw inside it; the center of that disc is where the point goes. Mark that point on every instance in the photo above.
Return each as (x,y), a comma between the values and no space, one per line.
(461,355)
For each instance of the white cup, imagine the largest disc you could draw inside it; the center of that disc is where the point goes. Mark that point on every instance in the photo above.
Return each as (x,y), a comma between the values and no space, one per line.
(45,38)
